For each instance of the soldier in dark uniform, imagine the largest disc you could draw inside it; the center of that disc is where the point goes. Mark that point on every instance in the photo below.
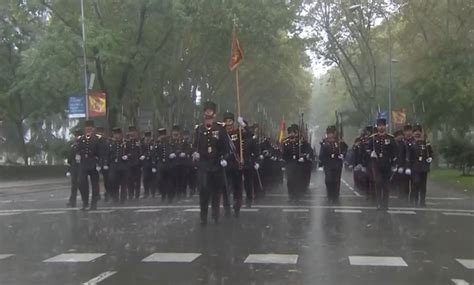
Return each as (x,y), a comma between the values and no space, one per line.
(399,174)
(163,156)
(357,149)
(239,173)
(295,153)
(211,152)
(118,155)
(149,168)
(73,167)
(267,165)
(135,158)
(404,165)
(103,144)
(383,155)
(365,163)
(189,168)
(178,167)
(331,157)
(421,156)
(88,156)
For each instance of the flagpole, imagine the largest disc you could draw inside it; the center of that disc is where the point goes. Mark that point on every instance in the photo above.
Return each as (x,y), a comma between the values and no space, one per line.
(239,115)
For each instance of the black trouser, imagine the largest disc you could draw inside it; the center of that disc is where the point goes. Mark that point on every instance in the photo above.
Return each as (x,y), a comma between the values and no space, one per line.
(405,185)
(118,180)
(180,174)
(192,179)
(74,185)
(148,181)
(105,175)
(165,183)
(84,175)
(294,179)
(333,183)
(210,185)
(134,181)
(382,189)
(418,192)
(234,184)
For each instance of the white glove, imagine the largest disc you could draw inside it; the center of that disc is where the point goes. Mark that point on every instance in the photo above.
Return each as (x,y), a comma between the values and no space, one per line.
(68,174)
(106,167)
(182,155)
(98,168)
(261,157)
(172,156)
(429,159)
(373,154)
(125,157)
(320,169)
(357,167)
(394,169)
(142,157)
(78,158)
(153,170)
(340,156)
(308,157)
(408,171)
(351,166)
(241,122)
(301,159)
(196,156)
(257,166)
(400,170)
(363,169)
(223,163)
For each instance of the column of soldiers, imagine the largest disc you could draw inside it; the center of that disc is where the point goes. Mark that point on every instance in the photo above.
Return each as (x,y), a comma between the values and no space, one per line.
(383,161)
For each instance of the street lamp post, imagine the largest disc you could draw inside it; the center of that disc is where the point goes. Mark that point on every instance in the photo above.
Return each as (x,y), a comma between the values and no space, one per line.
(84,57)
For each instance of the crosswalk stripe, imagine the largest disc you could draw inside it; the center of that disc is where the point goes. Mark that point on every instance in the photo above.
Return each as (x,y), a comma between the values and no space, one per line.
(248,210)
(468,263)
(295,210)
(9,214)
(5,256)
(401,212)
(74,257)
(100,211)
(192,210)
(460,282)
(52,213)
(347,211)
(377,261)
(272,258)
(100,278)
(148,211)
(171,257)
(458,214)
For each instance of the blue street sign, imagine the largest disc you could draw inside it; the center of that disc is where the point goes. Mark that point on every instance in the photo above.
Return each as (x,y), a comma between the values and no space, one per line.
(77,107)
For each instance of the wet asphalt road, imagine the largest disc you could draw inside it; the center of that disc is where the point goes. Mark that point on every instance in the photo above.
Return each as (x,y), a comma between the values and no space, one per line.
(275,242)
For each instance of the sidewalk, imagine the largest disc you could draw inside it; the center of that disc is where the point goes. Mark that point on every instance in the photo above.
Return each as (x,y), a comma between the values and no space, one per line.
(32,183)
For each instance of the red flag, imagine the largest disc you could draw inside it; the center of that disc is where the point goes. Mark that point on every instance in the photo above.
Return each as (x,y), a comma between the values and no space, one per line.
(281,136)
(236,53)
(97,104)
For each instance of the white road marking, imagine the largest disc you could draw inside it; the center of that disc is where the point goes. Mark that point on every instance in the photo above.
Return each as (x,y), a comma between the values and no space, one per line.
(350,188)
(468,263)
(347,211)
(52,213)
(9,214)
(193,210)
(445,198)
(6,201)
(100,211)
(171,257)
(401,212)
(295,210)
(100,278)
(460,282)
(74,257)
(248,210)
(5,256)
(377,261)
(148,211)
(272,258)
(458,214)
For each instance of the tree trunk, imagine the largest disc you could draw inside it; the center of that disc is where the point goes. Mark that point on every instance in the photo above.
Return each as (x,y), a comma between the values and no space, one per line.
(21,136)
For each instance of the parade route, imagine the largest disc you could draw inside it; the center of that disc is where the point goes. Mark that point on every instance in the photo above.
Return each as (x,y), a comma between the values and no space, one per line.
(274,242)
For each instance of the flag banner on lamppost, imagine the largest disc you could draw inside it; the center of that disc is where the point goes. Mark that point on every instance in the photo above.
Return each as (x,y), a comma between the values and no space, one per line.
(97,104)
(399,118)
(77,107)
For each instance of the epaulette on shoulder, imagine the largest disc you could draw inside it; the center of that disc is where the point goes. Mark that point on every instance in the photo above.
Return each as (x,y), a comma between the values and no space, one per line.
(390,135)
(222,124)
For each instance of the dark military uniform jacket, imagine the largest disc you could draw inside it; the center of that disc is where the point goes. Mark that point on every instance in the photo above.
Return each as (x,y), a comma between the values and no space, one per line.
(148,149)
(116,151)
(88,152)
(162,153)
(419,152)
(329,153)
(212,144)
(249,149)
(385,149)
(292,152)
(136,151)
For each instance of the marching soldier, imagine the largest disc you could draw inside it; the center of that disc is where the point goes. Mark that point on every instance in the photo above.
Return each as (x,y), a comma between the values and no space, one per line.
(211,151)
(190,169)
(421,156)
(73,168)
(88,156)
(178,169)
(118,160)
(404,165)
(239,172)
(365,165)
(398,175)
(331,157)
(103,144)
(135,158)
(149,169)
(383,155)
(295,153)
(162,159)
